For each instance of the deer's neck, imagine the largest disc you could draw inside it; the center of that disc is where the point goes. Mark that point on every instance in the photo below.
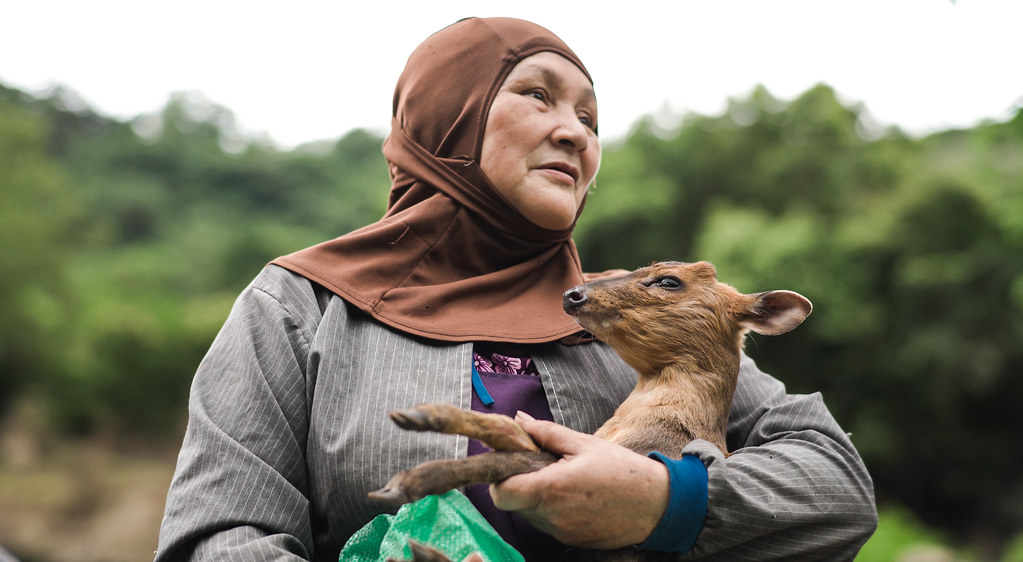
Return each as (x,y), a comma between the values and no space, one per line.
(703,398)
(669,408)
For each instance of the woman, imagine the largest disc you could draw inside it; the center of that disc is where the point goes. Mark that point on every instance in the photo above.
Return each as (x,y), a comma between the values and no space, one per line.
(492,148)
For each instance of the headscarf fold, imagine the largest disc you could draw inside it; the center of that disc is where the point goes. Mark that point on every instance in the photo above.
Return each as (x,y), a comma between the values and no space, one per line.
(452,259)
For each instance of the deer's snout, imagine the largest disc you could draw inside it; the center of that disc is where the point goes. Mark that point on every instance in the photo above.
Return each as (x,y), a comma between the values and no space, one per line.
(574,298)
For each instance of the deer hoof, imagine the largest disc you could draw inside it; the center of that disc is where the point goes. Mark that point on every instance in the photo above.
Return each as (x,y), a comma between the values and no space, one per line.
(396,496)
(394,492)
(416,420)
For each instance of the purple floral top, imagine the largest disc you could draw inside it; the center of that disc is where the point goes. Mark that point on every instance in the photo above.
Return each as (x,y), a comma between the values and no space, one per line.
(510,375)
(493,362)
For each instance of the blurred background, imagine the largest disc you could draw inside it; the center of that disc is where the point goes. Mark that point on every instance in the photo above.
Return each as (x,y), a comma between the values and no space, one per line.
(867,156)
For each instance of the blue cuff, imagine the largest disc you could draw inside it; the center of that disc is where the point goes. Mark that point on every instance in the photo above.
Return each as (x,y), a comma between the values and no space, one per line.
(687,506)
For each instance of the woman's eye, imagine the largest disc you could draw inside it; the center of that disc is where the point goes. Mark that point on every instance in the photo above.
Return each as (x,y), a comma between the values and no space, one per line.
(537,94)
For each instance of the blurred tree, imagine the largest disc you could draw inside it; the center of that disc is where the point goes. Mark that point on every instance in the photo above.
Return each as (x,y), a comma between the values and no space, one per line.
(125,244)
(37,222)
(175,214)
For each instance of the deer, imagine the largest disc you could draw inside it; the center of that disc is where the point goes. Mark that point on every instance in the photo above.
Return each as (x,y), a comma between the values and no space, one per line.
(676,325)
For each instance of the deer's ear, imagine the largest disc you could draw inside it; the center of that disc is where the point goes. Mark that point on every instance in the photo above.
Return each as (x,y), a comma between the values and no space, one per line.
(774,312)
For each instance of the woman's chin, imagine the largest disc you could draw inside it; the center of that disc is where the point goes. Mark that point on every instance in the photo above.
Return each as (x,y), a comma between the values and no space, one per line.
(552,215)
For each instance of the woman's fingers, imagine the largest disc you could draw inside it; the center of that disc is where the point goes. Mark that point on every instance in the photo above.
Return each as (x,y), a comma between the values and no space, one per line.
(552,437)
(598,495)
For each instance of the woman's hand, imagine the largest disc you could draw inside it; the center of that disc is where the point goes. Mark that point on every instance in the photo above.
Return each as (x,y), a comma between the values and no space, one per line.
(599,495)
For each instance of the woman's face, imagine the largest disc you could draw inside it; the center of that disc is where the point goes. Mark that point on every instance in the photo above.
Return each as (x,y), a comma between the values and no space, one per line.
(540,145)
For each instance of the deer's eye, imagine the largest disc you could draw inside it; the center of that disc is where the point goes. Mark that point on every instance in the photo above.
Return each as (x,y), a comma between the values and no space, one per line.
(669,282)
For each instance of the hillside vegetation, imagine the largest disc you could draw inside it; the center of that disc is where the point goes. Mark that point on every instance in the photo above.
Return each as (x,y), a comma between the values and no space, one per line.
(125,243)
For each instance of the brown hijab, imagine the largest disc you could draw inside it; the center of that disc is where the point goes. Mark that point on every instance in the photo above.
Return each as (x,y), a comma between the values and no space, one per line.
(452,259)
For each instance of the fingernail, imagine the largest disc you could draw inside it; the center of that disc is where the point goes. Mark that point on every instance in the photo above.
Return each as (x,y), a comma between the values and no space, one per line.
(520,415)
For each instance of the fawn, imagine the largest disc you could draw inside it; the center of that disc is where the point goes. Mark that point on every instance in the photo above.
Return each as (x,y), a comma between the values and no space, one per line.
(674,323)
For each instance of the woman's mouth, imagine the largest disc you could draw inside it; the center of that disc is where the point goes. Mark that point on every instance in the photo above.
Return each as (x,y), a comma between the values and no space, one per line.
(561,171)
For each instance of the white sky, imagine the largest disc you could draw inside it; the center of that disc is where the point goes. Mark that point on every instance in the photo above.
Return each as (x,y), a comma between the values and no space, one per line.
(305,70)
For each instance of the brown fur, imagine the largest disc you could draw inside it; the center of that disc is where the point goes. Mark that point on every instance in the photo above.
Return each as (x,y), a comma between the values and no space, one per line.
(675,324)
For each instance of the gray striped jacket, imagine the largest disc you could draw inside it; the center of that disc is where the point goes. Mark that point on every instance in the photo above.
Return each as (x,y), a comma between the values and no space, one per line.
(288,431)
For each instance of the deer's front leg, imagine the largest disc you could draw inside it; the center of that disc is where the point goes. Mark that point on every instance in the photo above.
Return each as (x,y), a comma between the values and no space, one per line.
(437,477)
(496,431)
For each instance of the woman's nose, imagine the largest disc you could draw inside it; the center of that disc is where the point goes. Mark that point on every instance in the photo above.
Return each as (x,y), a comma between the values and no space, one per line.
(570,131)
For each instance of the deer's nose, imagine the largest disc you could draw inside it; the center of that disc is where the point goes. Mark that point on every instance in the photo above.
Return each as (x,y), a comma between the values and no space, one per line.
(574,298)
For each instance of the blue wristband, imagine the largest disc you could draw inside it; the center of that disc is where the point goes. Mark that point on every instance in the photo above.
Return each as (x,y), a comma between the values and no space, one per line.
(687,506)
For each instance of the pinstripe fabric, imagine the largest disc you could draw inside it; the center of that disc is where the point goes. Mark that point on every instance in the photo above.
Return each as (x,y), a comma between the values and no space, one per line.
(794,488)
(288,431)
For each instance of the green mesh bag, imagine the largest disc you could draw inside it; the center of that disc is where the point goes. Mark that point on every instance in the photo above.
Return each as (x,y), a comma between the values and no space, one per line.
(448,523)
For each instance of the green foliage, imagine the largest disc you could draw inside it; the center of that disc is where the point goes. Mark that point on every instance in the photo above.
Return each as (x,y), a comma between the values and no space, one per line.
(37,223)
(901,536)
(126,243)
(1014,552)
